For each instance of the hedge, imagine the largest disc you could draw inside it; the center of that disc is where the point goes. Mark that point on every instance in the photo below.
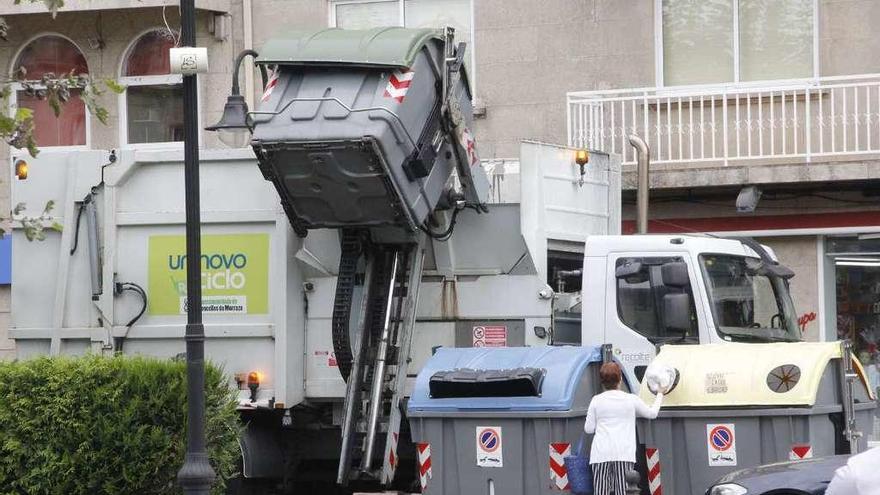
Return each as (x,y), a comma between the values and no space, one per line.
(102,425)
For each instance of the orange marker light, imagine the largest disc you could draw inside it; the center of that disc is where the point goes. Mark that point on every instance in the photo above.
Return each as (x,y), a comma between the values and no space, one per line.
(581,157)
(21,169)
(253,383)
(253,379)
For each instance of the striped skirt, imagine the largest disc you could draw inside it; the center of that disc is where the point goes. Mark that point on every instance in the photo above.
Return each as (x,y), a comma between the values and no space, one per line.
(609,478)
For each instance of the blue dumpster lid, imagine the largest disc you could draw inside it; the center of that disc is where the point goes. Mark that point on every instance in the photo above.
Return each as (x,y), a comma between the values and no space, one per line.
(562,366)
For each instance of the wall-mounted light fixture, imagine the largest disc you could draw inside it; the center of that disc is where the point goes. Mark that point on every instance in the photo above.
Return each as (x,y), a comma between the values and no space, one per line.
(747,200)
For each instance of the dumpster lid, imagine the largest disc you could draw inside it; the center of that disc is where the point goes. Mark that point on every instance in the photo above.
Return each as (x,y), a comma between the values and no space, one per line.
(746,374)
(561,369)
(379,47)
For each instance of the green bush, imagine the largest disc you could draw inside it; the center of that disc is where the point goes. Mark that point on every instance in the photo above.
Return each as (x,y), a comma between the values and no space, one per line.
(99,425)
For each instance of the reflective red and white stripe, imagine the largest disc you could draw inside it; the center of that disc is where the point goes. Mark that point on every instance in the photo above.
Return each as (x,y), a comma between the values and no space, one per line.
(655,486)
(271,83)
(558,473)
(398,84)
(425,473)
(467,142)
(800,451)
(390,464)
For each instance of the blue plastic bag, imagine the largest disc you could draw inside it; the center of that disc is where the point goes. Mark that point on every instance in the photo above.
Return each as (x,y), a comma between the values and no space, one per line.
(580,476)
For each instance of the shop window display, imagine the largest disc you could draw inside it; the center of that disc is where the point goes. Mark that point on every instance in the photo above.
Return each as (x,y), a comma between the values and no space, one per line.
(858,301)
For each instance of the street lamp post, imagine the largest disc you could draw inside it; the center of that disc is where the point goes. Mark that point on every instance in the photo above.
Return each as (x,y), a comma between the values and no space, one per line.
(196,476)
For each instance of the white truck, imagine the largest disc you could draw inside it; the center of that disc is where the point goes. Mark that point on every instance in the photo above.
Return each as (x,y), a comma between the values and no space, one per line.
(647,291)
(325,293)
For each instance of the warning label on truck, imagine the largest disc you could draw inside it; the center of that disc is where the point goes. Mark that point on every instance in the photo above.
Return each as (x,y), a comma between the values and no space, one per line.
(235,274)
(324,359)
(490,336)
(489,447)
(721,442)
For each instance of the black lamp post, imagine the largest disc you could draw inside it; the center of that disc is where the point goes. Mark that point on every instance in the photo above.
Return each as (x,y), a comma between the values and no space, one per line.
(196,476)
(234,125)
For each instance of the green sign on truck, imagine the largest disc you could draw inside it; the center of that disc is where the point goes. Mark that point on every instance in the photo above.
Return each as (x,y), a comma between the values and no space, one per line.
(235,274)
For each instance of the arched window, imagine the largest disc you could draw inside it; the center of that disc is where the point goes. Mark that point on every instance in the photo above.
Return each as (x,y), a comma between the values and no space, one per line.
(152,106)
(58,56)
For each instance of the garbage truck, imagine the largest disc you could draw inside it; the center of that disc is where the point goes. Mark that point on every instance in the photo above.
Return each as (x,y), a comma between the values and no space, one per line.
(351,240)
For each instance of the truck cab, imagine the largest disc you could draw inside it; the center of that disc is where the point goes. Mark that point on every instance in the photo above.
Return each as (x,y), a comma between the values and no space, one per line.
(641,292)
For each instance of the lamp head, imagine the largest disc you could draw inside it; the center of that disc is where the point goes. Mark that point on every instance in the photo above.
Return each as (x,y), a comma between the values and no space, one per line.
(747,200)
(233,127)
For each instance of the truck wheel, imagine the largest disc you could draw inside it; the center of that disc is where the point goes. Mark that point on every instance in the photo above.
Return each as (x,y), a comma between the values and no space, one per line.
(250,486)
(244,486)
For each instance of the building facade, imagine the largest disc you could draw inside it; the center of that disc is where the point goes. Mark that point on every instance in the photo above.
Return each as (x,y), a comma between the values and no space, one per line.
(776,106)
(780,95)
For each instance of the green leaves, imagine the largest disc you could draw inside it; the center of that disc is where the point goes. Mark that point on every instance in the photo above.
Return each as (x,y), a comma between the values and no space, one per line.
(18,131)
(57,91)
(90,93)
(114,86)
(100,425)
(24,113)
(34,228)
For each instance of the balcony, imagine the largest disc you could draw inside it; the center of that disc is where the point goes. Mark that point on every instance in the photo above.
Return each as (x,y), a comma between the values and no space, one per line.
(824,120)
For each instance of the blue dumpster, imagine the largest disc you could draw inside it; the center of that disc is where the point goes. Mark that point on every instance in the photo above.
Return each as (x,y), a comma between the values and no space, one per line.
(501,420)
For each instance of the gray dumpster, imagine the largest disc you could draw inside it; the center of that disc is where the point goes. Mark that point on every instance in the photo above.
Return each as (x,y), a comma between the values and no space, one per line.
(355,130)
(743,405)
(500,421)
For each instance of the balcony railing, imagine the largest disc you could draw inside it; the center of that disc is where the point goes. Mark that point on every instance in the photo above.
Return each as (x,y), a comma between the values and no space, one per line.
(762,122)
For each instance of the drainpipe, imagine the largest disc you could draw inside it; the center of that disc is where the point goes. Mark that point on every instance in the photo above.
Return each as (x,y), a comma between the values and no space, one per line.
(91,213)
(248,24)
(643,191)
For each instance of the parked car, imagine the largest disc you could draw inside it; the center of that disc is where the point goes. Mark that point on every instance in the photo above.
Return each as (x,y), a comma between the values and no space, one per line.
(804,477)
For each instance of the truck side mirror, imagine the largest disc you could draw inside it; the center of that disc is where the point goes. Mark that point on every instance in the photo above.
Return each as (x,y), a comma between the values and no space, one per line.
(675,274)
(677,313)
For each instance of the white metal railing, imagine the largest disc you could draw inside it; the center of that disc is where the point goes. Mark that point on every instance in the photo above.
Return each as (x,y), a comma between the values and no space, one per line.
(798,119)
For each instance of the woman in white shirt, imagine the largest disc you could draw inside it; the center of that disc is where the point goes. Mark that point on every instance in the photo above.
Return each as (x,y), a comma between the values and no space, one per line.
(612,417)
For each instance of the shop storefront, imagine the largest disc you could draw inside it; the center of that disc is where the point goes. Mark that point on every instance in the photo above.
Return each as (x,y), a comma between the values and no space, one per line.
(855,261)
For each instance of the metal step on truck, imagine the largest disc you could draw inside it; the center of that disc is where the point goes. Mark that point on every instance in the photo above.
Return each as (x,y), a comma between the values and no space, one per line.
(354,238)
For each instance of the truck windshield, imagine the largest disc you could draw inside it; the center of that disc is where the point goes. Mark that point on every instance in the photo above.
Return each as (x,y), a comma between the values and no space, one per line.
(749,304)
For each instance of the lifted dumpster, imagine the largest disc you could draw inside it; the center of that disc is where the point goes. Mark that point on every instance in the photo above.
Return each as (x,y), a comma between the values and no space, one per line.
(743,405)
(500,421)
(365,128)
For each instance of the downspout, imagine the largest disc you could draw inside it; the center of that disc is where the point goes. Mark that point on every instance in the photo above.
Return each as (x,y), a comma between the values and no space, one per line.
(95,271)
(248,21)
(643,191)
